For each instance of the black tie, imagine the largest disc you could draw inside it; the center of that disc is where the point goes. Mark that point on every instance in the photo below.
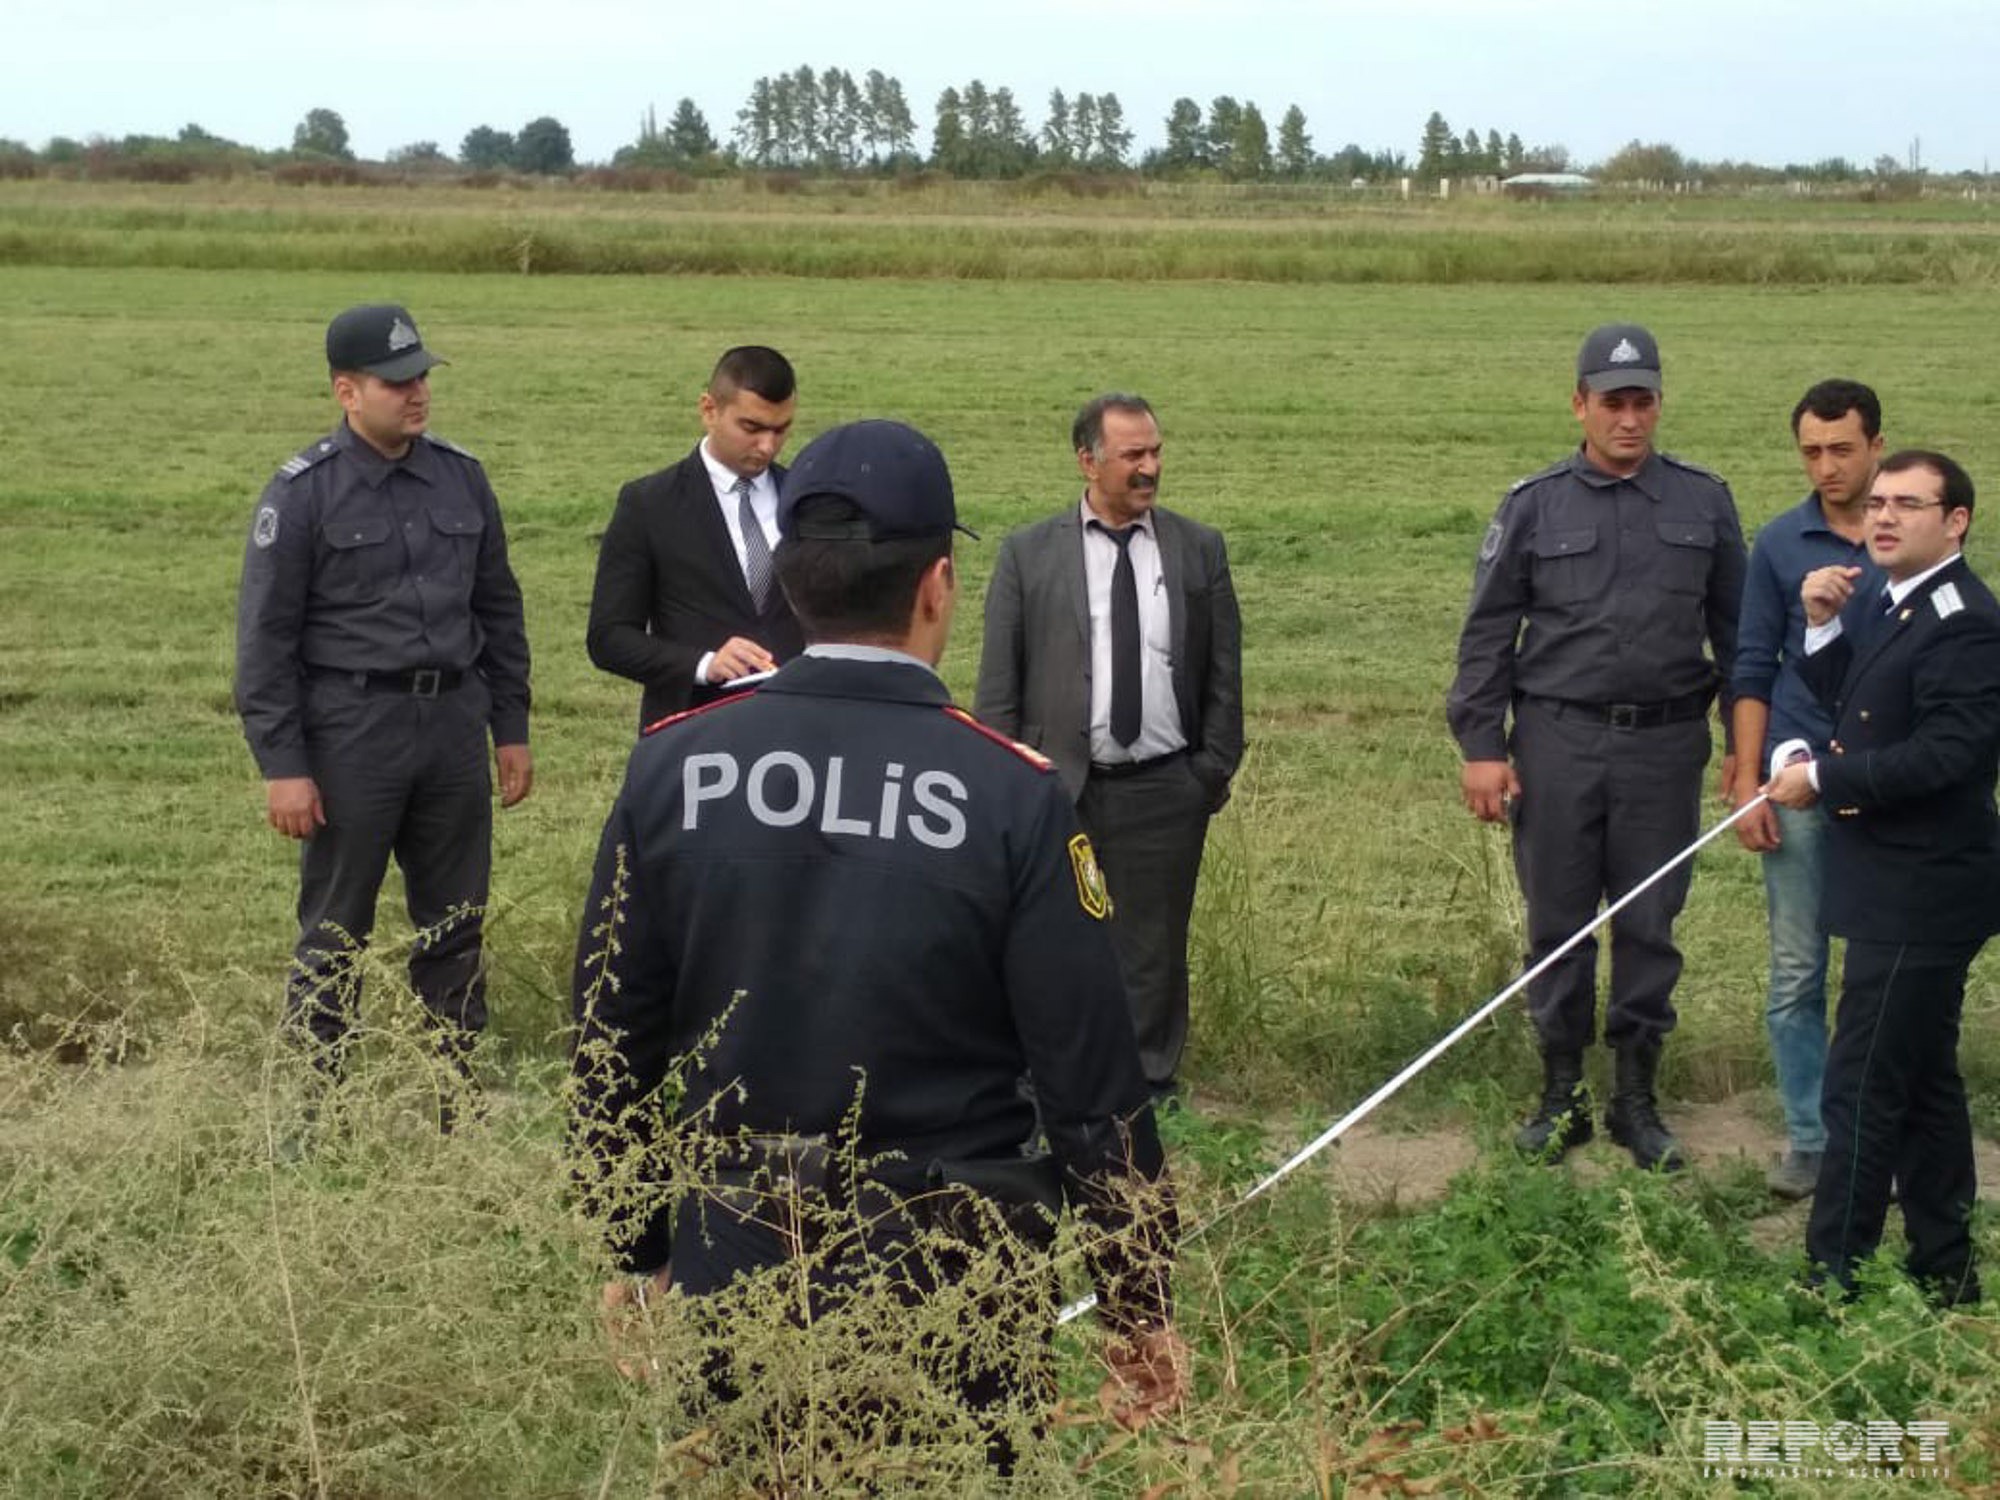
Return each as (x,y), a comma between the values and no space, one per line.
(1875,623)
(1124,639)
(756,551)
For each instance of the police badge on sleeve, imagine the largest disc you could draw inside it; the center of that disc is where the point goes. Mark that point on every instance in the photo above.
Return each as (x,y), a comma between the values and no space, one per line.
(1091,893)
(265,530)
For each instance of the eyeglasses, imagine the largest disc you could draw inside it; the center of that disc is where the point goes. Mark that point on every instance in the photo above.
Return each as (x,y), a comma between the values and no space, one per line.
(1904,505)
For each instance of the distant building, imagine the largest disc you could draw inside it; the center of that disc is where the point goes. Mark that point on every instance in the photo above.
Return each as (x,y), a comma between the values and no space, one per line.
(1545,184)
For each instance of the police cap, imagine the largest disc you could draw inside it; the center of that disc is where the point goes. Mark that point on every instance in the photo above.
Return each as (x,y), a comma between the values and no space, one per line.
(381,339)
(1619,357)
(891,474)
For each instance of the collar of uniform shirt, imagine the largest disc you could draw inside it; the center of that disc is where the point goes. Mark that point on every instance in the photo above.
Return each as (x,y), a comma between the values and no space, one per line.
(853,651)
(763,488)
(1898,592)
(375,467)
(1644,479)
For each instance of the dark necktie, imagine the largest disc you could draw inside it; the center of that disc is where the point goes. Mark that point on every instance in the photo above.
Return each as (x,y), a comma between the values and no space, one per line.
(756,551)
(1875,623)
(1125,713)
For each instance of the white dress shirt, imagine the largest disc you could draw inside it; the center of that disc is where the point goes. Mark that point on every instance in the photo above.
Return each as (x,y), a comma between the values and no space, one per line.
(1819,637)
(763,500)
(1159,711)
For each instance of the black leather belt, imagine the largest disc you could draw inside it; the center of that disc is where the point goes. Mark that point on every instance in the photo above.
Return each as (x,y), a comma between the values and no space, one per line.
(417,682)
(1634,715)
(1123,768)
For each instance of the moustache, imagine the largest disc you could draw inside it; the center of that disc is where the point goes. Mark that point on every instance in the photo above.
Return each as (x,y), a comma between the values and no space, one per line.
(1145,482)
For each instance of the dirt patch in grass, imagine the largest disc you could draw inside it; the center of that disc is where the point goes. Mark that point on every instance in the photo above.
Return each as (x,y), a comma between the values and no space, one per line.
(1384,1167)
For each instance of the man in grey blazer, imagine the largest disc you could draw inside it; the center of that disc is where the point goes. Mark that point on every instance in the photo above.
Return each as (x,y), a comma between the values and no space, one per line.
(1114,647)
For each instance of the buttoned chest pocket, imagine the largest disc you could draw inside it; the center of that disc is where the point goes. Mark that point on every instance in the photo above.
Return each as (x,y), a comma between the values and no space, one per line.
(358,558)
(1686,556)
(1568,564)
(455,539)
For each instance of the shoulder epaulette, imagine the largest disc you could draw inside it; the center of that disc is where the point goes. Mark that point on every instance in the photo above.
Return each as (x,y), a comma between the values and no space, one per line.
(449,446)
(1946,601)
(1527,479)
(1028,753)
(299,462)
(1693,468)
(689,713)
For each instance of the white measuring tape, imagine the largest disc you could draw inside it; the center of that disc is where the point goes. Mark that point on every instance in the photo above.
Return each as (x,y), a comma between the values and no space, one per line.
(1789,753)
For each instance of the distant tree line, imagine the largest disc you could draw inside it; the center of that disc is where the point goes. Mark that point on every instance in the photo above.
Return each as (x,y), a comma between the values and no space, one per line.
(828,122)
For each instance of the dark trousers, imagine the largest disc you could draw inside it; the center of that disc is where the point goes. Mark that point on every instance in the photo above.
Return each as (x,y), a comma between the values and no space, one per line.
(730,1233)
(1148,830)
(1600,810)
(1894,1106)
(404,776)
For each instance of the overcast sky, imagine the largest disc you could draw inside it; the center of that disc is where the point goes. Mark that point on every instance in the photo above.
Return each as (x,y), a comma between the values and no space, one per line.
(1765,80)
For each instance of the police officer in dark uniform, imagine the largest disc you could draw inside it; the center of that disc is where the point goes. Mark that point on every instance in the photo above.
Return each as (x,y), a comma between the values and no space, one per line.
(379,642)
(866,918)
(1600,582)
(1908,666)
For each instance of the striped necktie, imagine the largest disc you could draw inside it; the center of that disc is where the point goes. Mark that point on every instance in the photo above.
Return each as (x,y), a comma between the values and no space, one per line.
(756,551)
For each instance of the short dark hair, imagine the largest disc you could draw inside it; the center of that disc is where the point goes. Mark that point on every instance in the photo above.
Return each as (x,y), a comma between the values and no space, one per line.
(1087,431)
(1957,483)
(850,588)
(756,369)
(1831,400)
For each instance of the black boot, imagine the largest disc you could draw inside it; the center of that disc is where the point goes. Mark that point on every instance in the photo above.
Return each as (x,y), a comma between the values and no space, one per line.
(460,1101)
(1634,1117)
(1562,1120)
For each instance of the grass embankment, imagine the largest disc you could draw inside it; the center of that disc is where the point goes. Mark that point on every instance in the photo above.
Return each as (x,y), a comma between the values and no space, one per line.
(408,1317)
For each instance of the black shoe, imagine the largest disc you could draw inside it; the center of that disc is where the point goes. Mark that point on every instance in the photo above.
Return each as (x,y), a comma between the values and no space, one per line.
(1562,1119)
(1794,1175)
(1634,1117)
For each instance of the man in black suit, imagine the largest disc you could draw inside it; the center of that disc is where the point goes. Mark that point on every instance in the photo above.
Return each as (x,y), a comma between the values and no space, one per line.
(1113,646)
(1910,666)
(686,602)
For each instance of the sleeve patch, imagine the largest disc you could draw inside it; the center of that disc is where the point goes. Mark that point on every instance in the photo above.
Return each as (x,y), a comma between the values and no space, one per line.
(265,530)
(1091,893)
(1490,547)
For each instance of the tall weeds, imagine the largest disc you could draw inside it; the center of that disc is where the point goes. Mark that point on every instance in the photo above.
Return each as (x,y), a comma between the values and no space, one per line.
(586,234)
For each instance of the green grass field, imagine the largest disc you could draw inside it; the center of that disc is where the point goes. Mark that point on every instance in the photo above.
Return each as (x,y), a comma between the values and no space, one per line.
(409,1317)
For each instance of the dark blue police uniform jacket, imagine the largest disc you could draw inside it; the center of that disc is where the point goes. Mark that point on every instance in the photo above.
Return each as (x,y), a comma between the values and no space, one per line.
(858,913)
(1914,855)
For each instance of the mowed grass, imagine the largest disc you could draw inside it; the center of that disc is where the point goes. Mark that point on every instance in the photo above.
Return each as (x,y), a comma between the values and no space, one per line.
(1350,441)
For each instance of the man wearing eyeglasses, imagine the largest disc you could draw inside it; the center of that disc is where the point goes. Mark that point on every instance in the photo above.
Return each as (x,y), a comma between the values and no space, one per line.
(1910,668)
(1603,619)
(1837,426)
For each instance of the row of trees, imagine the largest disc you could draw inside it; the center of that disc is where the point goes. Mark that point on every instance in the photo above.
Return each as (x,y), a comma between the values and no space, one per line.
(831,122)
(1441,153)
(824,121)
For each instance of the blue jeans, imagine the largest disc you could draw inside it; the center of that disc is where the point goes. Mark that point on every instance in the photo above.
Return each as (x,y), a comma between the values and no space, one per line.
(1795,1007)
